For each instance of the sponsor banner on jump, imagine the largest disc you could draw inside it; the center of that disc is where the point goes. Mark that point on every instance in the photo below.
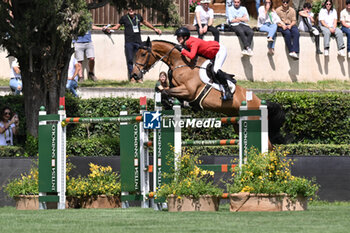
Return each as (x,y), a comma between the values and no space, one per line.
(154,120)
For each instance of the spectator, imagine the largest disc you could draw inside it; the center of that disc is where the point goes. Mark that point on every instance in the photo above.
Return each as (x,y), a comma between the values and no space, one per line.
(8,126)
(298,5)
(15,78)
(83,46)
(257,5)
(306,22)
(288,27)
(267,22)
(132,36)
(162,82)
(328,24)
(72,80)
(205,17)
(345,23)
(237,18)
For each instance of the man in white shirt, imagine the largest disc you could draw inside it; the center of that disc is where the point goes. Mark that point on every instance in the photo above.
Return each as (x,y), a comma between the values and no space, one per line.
(72,80)
(15,78)
(345,23)
(237,17)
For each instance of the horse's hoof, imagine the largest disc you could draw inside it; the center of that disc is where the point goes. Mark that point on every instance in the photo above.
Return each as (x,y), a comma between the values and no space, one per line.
(132,80)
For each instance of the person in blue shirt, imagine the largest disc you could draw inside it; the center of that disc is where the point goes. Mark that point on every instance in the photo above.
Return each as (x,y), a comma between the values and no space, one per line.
(83,46)
(237,17)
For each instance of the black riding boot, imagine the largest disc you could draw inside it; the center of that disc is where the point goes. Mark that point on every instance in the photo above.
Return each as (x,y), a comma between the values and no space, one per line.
(317,43)
(227,92)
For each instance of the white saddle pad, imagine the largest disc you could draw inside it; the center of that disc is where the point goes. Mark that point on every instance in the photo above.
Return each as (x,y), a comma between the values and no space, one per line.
(204,77)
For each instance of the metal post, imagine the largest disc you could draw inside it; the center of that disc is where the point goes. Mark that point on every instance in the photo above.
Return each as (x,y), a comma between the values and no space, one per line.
(61,160)
(264,127)
(144,162)
(125,203)
(42,112)
(177,139)
(157,159)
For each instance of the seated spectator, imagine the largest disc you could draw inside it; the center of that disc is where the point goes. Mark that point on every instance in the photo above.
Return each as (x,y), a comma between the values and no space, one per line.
(162,82)
(328,24)
(287,26)
(73,78)
(237,18)
(8,126)
(204,20)
(306,22)
(267,22)
(345,23)
(298,5)
(15,78)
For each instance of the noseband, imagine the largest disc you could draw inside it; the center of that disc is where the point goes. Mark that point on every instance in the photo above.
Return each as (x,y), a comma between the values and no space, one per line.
(144,65)
(145,69)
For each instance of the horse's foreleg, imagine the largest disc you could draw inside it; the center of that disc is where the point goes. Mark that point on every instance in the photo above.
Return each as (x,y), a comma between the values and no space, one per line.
(178,92)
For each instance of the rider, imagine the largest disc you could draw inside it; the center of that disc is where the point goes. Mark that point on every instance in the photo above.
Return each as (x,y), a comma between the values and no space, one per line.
(209,49)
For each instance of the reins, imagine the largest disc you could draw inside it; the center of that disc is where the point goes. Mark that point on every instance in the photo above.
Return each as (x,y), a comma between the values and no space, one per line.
(149,53)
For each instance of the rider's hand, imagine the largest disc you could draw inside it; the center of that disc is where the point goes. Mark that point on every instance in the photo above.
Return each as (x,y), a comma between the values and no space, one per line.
(106,31)
(178,47)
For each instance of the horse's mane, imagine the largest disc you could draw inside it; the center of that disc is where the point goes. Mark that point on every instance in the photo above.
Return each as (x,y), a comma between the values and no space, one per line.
(164,41)
(173,44)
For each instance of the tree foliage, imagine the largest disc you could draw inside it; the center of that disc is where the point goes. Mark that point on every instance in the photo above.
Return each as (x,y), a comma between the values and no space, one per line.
(39,34)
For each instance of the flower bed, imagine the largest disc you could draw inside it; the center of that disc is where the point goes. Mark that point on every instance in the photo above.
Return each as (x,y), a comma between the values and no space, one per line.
(266,202)
(265,183)
(186,203)
(190,188)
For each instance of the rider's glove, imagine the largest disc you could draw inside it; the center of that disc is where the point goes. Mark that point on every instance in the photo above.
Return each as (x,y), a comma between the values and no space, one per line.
(106,31)
(178,47)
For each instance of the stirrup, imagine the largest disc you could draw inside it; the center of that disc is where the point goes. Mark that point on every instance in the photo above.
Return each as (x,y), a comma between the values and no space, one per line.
(227,96)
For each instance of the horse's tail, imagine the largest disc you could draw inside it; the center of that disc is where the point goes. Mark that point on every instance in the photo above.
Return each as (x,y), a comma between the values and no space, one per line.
(276,117)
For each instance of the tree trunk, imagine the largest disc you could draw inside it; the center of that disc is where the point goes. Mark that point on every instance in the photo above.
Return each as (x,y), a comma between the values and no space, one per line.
(45,84)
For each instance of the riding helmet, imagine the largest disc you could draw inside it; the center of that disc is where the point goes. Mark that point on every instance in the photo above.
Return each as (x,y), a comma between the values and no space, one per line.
(184,32)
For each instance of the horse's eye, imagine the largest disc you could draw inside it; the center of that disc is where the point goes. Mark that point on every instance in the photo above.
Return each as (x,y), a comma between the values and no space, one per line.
(142,55)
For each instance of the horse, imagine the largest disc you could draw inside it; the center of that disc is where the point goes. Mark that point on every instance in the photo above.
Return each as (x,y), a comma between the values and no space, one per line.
(187,85)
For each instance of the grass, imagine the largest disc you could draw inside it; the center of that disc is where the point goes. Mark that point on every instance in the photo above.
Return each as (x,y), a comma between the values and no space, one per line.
(321,217)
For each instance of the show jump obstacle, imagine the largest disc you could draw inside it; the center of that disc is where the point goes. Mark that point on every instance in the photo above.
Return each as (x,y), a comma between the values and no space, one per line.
(135,167)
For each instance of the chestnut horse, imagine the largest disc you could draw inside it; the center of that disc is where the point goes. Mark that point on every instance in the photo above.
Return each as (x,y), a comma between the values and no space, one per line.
(187,84)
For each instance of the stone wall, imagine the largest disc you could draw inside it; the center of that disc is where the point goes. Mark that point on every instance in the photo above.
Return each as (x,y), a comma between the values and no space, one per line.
(111,65)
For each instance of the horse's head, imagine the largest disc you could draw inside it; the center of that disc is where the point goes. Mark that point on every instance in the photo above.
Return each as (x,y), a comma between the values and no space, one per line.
(144,59)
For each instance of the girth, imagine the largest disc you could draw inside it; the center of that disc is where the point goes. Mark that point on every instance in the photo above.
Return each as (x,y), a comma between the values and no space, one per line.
(197,102)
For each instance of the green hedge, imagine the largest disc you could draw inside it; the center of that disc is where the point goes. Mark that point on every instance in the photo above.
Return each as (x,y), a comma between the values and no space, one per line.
(311,118)
(110,147)
(315,118)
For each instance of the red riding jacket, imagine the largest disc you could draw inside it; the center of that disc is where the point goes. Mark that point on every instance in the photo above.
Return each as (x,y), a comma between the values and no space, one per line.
(207,49)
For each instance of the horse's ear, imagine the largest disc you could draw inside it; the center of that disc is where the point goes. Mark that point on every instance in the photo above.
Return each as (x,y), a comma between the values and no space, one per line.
(148,42)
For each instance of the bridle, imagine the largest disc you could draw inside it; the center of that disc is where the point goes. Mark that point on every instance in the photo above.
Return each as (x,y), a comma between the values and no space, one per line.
(145,67)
